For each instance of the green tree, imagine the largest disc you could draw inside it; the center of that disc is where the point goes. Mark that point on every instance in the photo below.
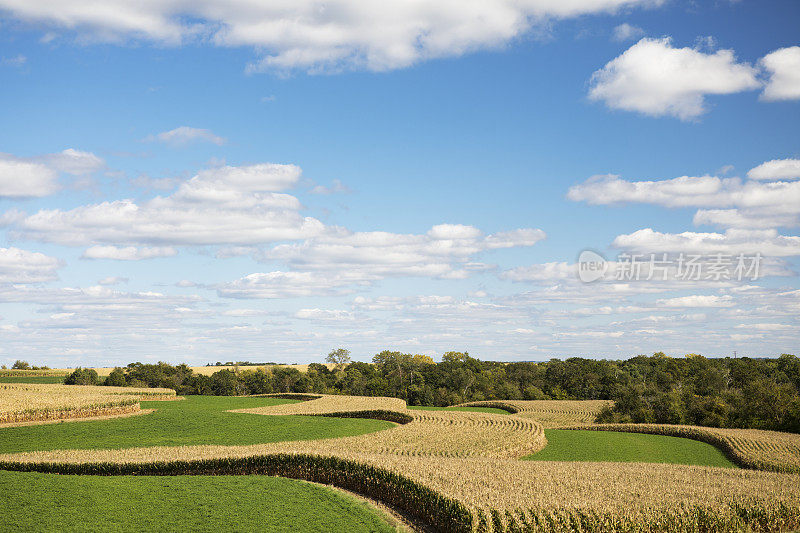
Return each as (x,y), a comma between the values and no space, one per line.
(116,378)
(339,357)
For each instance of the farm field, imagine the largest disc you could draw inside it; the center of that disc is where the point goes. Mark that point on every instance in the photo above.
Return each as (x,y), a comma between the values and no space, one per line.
(31,379)
(179,503)
(23,402)
(606,446)
(549,413)
(453,470)
(463,408)
(197,420)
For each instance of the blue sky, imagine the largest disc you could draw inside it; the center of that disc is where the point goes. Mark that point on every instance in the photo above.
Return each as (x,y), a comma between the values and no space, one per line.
(250,181)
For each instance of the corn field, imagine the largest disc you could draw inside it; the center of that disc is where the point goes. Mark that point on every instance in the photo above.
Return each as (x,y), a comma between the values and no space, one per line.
(22,402)
(460,471)
(550,413)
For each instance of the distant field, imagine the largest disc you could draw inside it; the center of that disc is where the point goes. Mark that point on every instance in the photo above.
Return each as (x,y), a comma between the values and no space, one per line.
(48,502)
(581,445)
(31,379)
(476,409)
(195,420)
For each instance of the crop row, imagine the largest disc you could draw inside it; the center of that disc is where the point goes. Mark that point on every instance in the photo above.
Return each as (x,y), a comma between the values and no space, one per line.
(31,402)
(550,413)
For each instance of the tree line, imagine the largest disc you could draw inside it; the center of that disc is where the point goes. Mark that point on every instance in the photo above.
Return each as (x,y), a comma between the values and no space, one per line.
(715,392)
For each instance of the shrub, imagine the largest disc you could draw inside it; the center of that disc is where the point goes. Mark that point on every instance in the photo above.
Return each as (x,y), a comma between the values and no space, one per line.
(82,376)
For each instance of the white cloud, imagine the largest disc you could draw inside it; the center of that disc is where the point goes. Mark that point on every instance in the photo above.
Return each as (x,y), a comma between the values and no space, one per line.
(783,67)
(35,177)
(745,219)
(627,32)
(336,187)
(279,284)
(22,266)
(127,253)
(758,204)
(184,135)
(733,241)
(698,300)
(656,79)
(112,280)
(445,251)
(74,162)
(21,179)
(226,205)
(541,272)
(776,169)
(326,315)
(770,327)
(307,34)
(14,61)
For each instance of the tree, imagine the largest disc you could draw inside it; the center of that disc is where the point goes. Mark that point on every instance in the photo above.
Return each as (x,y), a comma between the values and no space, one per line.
(82,376)
(339,357)
(116,378)
(21,365)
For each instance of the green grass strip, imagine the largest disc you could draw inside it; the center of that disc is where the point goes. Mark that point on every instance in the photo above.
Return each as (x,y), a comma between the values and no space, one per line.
(195,420)
(609,446)
(49,502)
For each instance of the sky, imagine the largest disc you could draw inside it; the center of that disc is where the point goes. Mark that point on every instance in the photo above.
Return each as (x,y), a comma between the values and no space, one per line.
(268,181)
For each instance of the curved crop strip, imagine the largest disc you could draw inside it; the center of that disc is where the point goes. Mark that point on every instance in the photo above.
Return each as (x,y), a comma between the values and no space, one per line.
(748,448)
(21,402)
(411,497)
(442,433)
(327,403)
(65,413)
(496,404)
(374,414)
(471,459)
(550,413)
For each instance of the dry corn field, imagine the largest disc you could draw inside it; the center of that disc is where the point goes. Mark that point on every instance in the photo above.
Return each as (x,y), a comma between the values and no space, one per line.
(473,459)
(20,402)
(550,413)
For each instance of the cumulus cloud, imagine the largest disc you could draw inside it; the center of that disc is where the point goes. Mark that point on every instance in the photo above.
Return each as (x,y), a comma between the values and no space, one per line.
(35,177)
(776,169)
(127,253)
(783,69)
(756,204)
(626,32)
(733,241)
(26,179)
(23,266)
(225,205)
(657,79)
(308,34)
(75,162)
(183,135)
(445,251)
